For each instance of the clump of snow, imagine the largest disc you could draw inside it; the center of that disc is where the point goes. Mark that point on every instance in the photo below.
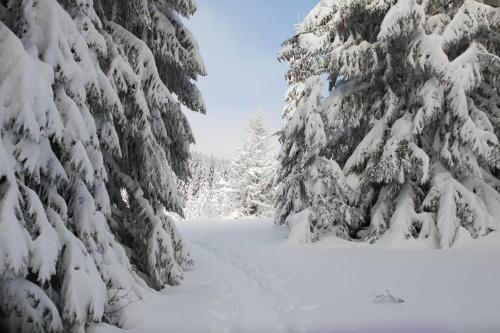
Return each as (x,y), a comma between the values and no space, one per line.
(386,297)
(299,223)
(462,237)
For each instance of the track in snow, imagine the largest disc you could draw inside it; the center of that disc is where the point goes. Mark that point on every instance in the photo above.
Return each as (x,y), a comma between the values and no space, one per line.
(251,294)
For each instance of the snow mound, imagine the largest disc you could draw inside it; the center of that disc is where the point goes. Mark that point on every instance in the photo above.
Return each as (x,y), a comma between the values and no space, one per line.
(300,232)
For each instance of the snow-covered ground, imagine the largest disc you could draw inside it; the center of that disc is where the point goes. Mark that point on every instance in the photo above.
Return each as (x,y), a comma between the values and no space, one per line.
(248,278)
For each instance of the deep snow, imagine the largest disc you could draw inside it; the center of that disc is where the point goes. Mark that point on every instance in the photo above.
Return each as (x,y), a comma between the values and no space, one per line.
(248,278)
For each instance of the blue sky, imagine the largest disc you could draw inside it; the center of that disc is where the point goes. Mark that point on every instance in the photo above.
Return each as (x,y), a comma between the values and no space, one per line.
(239,41)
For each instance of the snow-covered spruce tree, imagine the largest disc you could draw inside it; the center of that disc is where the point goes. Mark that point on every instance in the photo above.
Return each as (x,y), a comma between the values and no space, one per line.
(254,168)
(152,56)
(66,109)
(412,114)
(311,184)
(59,259)
(35,239)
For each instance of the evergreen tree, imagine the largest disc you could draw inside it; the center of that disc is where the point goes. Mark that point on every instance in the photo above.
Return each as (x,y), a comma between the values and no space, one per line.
(309,179)
(254,168)
(153,51)
(87,115)
(411,116)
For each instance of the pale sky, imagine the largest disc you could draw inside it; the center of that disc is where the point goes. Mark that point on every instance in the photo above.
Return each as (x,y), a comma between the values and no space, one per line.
(239,41)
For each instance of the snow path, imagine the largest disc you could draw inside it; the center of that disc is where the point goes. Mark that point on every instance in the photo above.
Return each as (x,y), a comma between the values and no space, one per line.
(267,305)
(247,278)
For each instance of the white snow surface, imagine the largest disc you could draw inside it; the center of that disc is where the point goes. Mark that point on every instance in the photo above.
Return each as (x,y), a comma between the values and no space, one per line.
(249,278)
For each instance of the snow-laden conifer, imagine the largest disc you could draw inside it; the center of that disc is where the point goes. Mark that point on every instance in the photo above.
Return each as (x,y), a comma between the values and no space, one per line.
(411,116)
(153,60)
(253,170)
(75,104)
(309,179)
(44,252)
